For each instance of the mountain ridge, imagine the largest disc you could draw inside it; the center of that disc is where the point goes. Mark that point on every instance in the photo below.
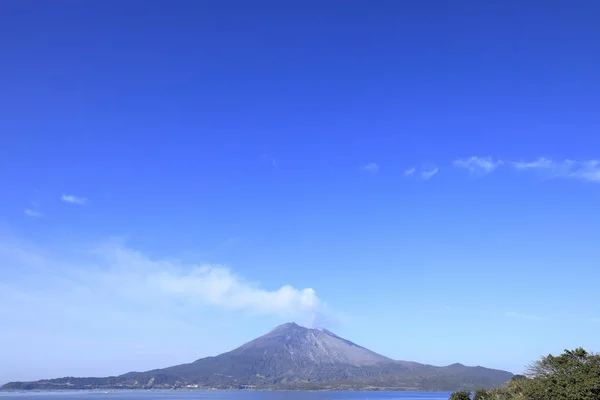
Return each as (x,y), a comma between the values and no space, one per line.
(292,357)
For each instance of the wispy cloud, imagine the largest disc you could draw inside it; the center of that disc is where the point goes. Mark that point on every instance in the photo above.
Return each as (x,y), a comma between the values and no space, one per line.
(69,198)
(588,170)
(478,165)
(220,287)
(144,303)
(32,213)
(540,163)
(268,159)
(513,314)
(372,168)
(424,172)
(428,173)
(125,272)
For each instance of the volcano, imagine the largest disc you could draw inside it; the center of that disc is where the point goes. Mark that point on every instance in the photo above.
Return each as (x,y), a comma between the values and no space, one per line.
(293,357)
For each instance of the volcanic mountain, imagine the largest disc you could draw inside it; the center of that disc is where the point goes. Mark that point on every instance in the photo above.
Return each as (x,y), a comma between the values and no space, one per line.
(293,357)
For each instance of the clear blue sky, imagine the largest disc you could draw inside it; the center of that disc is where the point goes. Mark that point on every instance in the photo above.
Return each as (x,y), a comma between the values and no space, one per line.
(179,177)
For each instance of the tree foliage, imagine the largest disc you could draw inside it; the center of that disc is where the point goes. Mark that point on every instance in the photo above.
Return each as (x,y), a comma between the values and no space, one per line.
(460,396)
(482,394)
(573,375)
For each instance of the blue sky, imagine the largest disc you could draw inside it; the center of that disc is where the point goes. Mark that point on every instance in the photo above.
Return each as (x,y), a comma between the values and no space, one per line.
(178,178)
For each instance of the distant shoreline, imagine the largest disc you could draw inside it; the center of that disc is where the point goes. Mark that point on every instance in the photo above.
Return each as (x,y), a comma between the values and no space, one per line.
(389,390)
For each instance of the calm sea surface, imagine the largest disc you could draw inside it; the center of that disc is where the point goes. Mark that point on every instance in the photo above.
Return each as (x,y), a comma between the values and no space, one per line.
(192,395)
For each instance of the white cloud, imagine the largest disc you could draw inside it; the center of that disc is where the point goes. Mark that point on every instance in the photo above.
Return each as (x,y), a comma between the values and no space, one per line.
(274,163)
(218,286)
(32,213)
(207,285)
(372,168)
(68,198)
(478,165)
(513,314)
(113,303)
(121,272)
(588,170)
(425,172)
(429,173)
(540,163)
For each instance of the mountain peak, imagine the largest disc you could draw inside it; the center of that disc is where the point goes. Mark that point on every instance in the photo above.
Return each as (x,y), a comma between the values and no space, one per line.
(456,365)
(294,345)
(287,326)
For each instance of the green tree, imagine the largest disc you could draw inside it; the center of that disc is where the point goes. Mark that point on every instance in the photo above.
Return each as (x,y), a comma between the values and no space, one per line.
(460,396)
(574,375)
(513,390)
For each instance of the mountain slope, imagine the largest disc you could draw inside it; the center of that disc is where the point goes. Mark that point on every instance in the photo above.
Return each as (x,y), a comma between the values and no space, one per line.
(293,357)
(286,354)
(301,346)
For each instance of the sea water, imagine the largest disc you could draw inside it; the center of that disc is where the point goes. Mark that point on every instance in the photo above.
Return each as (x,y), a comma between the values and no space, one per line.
(222,395)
